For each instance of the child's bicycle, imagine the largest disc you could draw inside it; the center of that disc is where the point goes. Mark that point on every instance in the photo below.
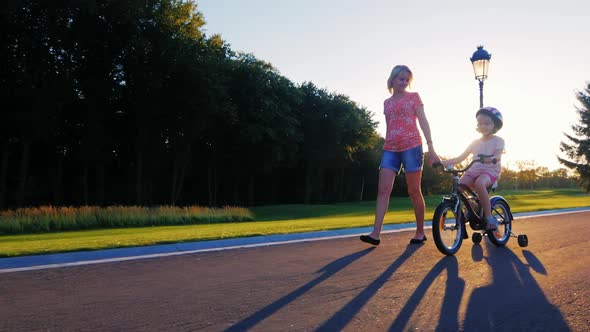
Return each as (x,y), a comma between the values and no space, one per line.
(462,206)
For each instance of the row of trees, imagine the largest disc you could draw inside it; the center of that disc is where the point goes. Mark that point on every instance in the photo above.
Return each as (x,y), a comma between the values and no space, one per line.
(526,177)
(535,178)
(129,102)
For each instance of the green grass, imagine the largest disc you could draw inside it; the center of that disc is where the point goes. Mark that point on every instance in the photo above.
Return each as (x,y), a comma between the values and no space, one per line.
(278,219)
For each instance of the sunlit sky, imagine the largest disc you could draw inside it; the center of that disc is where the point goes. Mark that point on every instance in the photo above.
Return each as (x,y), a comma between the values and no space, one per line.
(540,58)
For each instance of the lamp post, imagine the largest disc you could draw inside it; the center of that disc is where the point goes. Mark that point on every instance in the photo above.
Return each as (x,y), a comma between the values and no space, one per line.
(481,62)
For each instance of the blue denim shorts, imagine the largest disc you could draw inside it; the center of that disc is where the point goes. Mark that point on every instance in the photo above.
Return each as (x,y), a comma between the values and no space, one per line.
(411,159)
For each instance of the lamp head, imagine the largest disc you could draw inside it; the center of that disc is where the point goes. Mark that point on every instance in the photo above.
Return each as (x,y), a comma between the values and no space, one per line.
(481,62)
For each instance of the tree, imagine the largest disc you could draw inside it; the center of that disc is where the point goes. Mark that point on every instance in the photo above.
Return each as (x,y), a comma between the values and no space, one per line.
(577,149)
(34,86)
(118,102)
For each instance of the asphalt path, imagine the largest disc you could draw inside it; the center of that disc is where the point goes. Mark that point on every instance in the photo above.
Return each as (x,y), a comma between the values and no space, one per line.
(337,283)
(59,260)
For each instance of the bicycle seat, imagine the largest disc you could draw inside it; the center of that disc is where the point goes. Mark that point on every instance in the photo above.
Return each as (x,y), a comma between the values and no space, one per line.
(493,186)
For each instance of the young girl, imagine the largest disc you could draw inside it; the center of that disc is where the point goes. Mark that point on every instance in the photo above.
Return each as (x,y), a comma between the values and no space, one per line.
(403,146)
(482,175)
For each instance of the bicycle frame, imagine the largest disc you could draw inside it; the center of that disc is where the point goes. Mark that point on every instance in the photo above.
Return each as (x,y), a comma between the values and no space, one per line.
(465,196)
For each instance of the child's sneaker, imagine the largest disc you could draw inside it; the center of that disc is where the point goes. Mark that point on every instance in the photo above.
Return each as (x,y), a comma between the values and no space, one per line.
(492,224)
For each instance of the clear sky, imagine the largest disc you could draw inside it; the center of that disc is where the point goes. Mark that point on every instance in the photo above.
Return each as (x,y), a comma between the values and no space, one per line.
(540,58)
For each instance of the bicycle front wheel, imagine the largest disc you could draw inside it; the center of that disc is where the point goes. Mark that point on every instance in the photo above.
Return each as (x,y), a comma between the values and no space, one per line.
(446,228)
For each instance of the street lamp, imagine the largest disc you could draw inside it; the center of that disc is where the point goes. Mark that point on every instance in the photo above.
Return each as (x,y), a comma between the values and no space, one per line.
(481,62)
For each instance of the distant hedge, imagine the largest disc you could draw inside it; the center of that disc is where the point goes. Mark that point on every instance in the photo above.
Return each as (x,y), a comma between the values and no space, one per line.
(53,219)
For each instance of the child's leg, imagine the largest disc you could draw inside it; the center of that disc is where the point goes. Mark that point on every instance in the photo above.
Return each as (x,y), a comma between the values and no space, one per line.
(467,180)
(481,188)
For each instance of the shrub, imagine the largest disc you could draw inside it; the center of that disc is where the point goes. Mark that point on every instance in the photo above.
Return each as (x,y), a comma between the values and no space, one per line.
(52,219)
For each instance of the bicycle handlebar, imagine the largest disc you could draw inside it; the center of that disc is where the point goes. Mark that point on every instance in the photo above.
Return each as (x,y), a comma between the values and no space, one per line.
(480,159)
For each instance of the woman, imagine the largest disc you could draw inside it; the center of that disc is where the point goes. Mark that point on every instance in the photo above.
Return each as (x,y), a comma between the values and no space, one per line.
(402,148)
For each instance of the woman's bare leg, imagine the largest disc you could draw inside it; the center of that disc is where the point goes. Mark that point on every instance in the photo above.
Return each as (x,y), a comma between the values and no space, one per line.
(386,180)
(414,181)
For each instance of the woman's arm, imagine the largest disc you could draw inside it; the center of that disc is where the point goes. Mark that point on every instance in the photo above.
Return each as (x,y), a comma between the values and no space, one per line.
(425,126)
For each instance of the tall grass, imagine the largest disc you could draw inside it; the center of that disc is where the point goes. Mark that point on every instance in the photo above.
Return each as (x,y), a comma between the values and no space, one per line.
(52,218)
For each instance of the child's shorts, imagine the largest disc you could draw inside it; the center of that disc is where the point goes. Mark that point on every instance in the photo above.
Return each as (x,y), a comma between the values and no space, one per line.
(412,160)
(471,177)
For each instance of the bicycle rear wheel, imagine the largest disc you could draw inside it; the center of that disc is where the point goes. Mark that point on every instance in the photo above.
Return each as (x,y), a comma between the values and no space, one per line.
(446,228)
(501,211)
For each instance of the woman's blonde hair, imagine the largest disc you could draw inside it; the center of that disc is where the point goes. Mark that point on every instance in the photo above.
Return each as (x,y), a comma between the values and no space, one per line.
(396,71)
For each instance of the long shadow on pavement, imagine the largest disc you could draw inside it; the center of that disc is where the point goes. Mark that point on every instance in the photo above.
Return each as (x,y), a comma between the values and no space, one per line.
(328,271)
(345,315)
(514,300)
(449,316)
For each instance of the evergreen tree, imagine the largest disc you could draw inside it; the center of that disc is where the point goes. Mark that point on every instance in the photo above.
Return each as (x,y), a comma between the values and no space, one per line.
(577,149)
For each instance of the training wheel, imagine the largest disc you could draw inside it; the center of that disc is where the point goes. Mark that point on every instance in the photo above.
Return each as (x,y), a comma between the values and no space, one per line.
(523,240)
(476,237)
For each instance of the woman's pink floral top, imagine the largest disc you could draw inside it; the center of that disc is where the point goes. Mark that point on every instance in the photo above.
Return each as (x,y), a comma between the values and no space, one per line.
(400,116)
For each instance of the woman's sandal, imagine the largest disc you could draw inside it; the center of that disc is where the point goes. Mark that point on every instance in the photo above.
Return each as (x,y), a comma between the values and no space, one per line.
(368,239)
(418,241)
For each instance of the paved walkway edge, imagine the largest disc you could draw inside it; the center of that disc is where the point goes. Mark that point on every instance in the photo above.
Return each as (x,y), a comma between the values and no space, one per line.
(38,262)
